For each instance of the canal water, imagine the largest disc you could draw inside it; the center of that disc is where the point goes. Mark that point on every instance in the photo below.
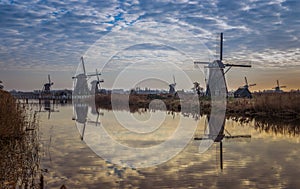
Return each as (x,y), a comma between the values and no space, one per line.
(250,154)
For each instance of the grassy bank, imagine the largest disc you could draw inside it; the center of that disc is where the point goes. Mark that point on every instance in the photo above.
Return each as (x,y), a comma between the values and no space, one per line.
(261,105)
(19,160)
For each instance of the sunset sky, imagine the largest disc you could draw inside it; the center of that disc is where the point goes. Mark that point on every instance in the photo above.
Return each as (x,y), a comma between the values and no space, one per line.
(42,37)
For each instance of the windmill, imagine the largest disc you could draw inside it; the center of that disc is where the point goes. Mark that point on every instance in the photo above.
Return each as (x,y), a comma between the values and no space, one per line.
(172,87)
(215,132)
(81,85)
(197,88)
(248,85)
(243,92)
(216,76)
(278,88)
(47,86)
(96,83)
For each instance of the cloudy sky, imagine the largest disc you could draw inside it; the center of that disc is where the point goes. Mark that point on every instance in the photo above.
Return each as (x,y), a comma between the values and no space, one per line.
(42,37)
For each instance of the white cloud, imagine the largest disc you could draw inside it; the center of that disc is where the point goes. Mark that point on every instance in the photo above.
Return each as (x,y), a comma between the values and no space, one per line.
(56,32)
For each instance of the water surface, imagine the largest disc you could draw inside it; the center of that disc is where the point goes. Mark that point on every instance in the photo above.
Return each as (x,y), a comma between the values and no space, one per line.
(268,159)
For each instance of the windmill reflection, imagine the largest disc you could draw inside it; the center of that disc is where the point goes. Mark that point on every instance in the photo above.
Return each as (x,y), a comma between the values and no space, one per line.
(47,106)
(215,131)
(86,114)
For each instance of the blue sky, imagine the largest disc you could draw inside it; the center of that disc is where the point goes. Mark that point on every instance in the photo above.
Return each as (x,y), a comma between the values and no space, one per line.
(40,37)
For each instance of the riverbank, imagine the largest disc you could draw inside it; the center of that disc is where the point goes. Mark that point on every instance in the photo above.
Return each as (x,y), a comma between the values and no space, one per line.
(284,105)
(19,159)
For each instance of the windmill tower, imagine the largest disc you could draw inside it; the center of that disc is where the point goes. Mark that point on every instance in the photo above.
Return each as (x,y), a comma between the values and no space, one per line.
(278,88)
(244,92)
(172,87)
(47,86)
(216,83)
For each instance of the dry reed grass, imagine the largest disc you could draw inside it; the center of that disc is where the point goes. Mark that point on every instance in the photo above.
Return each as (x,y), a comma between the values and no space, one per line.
(267,105)
(19,152)
(277,103)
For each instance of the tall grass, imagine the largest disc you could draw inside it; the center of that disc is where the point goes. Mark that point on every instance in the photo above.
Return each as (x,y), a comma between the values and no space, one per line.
(19,152)
(277,103)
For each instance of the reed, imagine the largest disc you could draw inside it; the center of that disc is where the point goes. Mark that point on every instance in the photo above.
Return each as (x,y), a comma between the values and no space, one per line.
(12,117)
(19,152)
(284,104)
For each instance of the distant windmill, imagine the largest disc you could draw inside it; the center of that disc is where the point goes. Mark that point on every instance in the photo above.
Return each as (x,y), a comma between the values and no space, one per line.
(197,88)
(248,85)
(243,92)
(81,85)
(172,87)
(278,87)
(216,78)
(47,86)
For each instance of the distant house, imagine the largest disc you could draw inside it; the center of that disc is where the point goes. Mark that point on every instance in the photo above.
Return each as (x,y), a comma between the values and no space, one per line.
(242,92)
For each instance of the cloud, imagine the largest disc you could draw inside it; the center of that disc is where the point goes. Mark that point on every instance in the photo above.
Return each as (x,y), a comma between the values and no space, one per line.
(54,34)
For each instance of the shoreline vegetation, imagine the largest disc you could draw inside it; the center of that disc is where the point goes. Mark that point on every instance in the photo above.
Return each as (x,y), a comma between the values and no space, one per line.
(19,159)
(277,113)
(280,105)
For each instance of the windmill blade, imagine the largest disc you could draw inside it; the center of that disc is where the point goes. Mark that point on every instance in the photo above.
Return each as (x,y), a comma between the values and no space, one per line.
(83,66)
(174,80)
(97,120)
(97,75)
(49,78)
(278,83)
(197,62)
(251,85)
(246,81)
(282,86)
(221,46)
(83,129)
(238,65)
(90,75)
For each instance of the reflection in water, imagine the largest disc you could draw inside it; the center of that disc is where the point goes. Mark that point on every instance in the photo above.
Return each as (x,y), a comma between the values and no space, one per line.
(279,126)
(274,125)
(86,113)
(215,132)
(47,106)
(245,165)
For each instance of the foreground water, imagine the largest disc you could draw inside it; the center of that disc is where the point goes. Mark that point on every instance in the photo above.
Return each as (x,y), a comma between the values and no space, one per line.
(269,159)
